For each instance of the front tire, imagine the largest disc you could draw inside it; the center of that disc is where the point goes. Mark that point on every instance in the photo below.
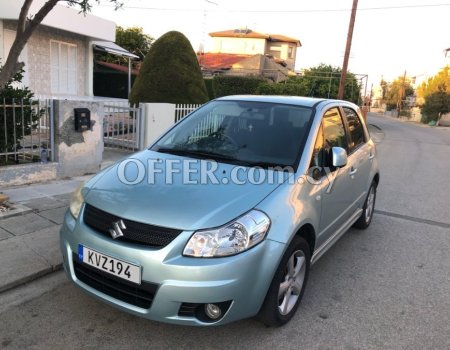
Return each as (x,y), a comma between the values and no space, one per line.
(288,285)
(369,207)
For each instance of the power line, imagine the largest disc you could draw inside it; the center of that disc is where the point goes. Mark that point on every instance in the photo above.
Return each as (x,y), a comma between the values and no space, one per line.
(282,11)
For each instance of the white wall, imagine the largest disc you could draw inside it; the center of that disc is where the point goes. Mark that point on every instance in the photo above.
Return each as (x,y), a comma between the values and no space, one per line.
(62,17)
(243,46)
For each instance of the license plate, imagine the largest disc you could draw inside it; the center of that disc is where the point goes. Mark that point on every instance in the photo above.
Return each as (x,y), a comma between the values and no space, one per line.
(106,263)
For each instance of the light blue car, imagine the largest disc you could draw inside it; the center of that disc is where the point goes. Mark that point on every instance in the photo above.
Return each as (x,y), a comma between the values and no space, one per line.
(222,217)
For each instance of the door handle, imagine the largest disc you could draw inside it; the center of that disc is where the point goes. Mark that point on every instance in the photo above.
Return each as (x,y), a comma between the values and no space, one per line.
(371,155)
(352,171)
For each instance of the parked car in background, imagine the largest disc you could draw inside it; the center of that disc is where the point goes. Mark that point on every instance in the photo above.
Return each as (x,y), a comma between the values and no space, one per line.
(222,217)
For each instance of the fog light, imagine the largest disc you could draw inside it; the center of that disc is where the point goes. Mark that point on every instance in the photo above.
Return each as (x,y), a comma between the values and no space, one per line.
(213,311)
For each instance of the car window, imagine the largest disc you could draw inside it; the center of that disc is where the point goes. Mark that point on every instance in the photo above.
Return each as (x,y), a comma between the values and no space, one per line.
(355,128)
(334,131)
(317,156)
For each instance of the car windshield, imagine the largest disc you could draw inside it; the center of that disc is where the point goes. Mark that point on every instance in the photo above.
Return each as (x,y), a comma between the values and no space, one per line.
(240,132)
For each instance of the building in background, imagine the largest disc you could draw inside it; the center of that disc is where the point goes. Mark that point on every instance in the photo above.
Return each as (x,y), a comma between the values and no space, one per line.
(245,52)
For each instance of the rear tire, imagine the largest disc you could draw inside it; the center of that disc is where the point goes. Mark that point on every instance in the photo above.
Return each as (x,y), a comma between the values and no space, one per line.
(369,207)
(288,285)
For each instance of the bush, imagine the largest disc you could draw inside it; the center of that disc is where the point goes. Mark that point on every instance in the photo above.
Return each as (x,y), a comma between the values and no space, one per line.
(225,85)
(288,89)
(435,105)
(19,121)
(170,73)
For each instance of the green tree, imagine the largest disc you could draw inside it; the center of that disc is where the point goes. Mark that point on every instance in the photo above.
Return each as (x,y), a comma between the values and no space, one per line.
(320,81)
(436,104)
(384,89)
(170,73)
(19,121)
(397,92)
(27,24)
(439,82)
(133,40)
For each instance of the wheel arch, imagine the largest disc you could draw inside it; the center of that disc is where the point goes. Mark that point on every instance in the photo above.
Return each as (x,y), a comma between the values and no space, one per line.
(308,233)
(376,178)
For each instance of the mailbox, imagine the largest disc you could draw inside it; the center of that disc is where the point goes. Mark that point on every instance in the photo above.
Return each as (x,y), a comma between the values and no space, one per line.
(82,119)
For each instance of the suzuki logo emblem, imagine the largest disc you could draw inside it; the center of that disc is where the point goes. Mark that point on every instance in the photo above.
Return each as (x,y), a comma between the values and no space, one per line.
(116,231)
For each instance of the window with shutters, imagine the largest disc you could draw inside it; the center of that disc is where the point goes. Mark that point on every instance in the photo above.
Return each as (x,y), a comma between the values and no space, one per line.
(63,61)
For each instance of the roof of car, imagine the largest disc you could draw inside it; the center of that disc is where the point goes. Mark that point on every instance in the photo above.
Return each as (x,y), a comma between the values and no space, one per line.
(291,100)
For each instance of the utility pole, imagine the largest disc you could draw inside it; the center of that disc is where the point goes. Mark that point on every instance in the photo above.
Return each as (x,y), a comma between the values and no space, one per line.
(402,88)
(351,25)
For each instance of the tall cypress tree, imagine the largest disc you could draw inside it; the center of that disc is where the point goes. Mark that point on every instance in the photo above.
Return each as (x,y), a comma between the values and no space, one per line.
(170,73)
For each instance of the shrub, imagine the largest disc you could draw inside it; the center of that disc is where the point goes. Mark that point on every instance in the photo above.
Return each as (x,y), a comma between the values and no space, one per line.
(435,105)
(225,85)
(19,121)
(170,73)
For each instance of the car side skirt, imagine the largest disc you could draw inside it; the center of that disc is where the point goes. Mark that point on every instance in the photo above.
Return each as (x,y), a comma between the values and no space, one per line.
(330,241)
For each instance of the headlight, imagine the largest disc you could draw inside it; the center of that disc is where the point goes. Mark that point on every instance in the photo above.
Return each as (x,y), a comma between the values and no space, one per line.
(76,202)
(238,236)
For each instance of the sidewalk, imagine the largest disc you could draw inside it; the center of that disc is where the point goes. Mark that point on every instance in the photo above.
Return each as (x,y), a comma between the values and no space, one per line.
(29,240)
(29,234)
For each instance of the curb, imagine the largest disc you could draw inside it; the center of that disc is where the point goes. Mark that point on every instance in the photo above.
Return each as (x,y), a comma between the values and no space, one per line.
(34,276)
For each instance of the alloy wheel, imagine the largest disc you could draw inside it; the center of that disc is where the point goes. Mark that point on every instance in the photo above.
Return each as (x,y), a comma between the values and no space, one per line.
(292,283)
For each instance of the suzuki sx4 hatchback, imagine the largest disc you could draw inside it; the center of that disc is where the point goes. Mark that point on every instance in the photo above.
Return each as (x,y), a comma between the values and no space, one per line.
(222,217)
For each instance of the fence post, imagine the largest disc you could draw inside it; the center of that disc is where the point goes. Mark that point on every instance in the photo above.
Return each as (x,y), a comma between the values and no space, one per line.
(142,122)
(158,118)
(52,129)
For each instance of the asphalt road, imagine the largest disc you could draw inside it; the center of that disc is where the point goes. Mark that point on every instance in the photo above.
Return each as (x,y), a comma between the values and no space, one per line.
(387,287)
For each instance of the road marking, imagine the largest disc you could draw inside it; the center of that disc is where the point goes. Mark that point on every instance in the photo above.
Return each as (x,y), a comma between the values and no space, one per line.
(411,218)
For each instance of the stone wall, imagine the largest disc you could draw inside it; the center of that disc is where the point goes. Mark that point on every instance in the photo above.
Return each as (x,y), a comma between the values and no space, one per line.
(14,175)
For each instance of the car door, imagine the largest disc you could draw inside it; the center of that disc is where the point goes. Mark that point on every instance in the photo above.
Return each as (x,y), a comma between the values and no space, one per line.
(360,154)
(338,196)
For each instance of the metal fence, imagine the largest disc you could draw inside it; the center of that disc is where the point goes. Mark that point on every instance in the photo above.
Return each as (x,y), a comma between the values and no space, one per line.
(122,126)
(181,110)
(26,131)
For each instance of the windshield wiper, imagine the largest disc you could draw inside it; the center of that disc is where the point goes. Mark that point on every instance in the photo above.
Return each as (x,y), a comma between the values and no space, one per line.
(266,165)
(220,157)
(196,154)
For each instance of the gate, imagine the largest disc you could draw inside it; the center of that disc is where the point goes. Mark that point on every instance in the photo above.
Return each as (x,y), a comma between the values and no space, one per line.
(123,126)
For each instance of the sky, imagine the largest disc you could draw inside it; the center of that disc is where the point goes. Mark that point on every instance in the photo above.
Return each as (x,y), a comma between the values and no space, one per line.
(390,36)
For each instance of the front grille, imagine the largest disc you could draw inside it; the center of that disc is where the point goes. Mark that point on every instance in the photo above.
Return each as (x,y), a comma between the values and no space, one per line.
(138,295)
(135,232)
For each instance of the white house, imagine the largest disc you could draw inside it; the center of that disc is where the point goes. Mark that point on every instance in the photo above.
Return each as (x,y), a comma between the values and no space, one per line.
(248,42)
(59,55)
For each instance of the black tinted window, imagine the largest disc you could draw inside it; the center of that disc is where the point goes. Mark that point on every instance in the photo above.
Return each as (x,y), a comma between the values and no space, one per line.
(355,127)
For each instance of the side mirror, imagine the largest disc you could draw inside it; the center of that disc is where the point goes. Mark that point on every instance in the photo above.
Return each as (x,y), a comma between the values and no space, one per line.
(339,157)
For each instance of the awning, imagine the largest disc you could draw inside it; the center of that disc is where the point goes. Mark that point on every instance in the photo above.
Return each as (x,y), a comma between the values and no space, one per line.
(114,49)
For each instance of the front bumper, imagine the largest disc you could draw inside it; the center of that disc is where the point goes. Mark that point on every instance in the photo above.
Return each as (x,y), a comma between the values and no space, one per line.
(242,279)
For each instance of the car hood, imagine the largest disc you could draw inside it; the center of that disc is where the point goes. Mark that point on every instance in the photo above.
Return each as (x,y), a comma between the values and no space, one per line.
(175,203)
